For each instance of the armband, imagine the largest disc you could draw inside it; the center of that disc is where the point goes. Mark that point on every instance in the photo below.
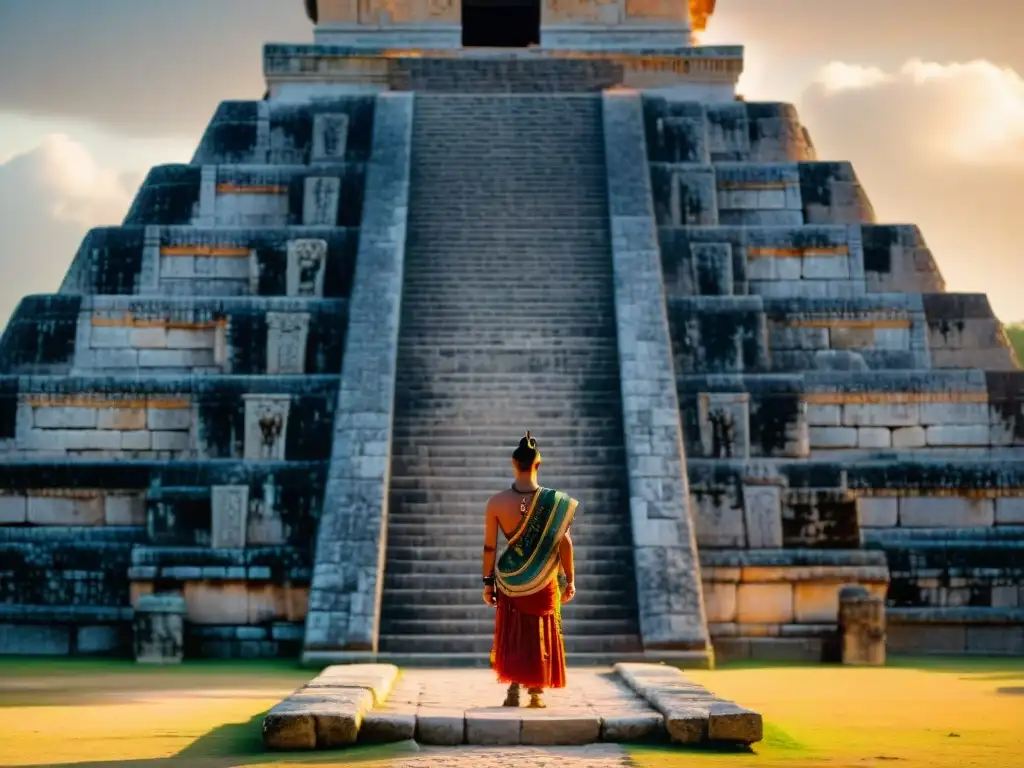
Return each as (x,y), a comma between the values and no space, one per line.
(488,581)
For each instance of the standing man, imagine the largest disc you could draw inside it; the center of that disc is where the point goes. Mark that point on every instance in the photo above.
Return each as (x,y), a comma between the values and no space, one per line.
(528,649)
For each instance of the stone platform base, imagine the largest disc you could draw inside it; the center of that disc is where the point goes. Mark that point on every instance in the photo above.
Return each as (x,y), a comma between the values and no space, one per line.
(370,703)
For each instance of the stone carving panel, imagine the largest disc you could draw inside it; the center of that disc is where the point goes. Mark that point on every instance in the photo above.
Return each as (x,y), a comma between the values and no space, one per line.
(725,424)
(762,516)
(320,201)
(307,261)
(287,333)
(159,629)
(330,137)
(266,425)
(230,515)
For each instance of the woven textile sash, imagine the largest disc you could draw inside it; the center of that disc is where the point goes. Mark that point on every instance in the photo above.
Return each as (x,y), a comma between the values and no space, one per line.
(530,560)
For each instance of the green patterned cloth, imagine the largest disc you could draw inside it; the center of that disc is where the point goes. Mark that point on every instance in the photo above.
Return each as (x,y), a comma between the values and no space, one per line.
(531,559)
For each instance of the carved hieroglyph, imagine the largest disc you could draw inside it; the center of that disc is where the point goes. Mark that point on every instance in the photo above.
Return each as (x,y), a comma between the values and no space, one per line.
(266,426)
(762,516)
(320,201)
(861,626)
(287,333)
(724,424)
(307,260)
(330,137)
(230,515)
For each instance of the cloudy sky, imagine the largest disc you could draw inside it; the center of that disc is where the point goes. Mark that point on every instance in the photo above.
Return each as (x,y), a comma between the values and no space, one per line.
(926,97)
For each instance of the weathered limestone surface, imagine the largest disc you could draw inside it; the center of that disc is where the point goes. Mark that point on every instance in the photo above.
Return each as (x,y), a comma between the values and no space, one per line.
(328,712)
(454,707)
(861,626)
(801,398)
(692,714)
(160,629)
(671,617)
(345,593)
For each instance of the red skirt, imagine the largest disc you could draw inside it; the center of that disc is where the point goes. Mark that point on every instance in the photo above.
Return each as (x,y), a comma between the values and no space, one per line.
(528,647)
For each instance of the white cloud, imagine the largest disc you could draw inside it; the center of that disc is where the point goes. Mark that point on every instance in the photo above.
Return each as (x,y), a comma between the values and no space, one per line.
(49,198)
(939,145)
(838,76)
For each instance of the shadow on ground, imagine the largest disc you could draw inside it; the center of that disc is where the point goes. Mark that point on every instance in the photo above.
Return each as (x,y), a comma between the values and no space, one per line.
(239,744)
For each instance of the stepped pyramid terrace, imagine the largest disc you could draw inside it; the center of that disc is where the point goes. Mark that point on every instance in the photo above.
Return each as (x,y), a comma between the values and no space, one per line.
(280,393)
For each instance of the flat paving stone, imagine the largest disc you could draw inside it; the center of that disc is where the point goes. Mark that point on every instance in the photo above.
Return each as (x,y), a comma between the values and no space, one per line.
(692,714)
(589,756)
(458,706)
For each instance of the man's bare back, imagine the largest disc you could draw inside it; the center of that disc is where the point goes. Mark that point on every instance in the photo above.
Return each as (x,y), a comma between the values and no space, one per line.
(505,512)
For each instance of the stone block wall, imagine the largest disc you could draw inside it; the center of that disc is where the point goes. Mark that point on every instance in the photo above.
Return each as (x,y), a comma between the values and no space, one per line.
(174,335)
(345,594)
(169,415)
(664,544)
(79,542)
(804,333)
(186,261)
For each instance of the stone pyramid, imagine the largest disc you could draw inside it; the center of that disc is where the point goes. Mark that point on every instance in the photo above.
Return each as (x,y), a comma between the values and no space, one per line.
(287,384)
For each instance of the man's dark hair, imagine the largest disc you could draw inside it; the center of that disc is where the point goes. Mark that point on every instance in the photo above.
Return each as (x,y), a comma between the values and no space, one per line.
(526,454)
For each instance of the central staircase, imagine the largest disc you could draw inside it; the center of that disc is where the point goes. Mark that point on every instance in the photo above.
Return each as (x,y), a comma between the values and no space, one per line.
(508,324)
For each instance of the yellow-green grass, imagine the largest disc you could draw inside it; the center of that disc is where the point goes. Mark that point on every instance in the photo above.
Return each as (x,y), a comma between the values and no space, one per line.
(913,713)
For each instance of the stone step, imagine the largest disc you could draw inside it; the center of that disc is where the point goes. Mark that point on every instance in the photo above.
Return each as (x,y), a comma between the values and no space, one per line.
(599,506)
(481,409)
(475,610)
(457,534)
(476,401)
(470,579)
(545,381)
(626,643)
(586,535)
(502,235)
(466,598)
(443,565)
(470,554)
(550,447)
(593,481)
(604,430)
(469,455)
(496,468)
(592,523)
(552,420)
(575,627)
(482,660)
(424,313)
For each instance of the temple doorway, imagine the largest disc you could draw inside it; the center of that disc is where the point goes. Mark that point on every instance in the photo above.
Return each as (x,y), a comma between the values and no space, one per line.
(500,23)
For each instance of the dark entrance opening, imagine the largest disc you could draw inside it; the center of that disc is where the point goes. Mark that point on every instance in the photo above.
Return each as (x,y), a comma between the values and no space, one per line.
(500,23)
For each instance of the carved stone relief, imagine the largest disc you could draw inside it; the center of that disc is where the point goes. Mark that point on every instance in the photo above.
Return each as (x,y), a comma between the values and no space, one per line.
(762,516)
(724,425)
(287,333)
(320,201)
(330,137)
(306,265)
(266,426)
(230,515)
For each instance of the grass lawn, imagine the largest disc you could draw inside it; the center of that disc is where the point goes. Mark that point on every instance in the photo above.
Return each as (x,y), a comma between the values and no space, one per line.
(927,713)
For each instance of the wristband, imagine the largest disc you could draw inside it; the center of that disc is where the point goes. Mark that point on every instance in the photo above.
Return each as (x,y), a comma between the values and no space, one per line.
(488,581)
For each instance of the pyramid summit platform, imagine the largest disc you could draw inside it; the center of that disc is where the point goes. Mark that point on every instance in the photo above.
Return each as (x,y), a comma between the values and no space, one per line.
(283,389)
